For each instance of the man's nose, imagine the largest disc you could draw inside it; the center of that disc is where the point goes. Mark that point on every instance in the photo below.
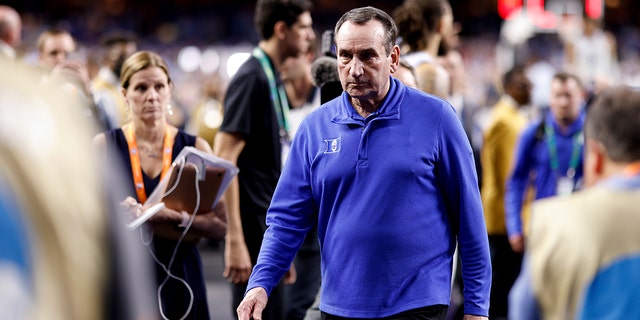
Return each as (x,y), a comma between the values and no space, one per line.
(357,68)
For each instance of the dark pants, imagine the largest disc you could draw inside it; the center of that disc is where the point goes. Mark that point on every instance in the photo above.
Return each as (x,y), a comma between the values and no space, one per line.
(505,265)
(254,227)
(436,312)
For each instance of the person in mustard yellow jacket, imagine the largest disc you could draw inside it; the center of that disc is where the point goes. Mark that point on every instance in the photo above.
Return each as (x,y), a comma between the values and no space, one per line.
(496,156)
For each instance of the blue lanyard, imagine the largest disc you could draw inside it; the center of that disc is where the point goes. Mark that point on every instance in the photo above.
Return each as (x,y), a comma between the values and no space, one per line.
(277,93)
(553,151)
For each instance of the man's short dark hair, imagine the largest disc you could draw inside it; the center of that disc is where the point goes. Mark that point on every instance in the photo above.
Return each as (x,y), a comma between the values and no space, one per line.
(363,15)
(613,120)
(270,12)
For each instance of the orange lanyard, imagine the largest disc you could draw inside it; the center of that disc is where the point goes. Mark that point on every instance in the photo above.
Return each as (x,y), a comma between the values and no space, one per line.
(134,155)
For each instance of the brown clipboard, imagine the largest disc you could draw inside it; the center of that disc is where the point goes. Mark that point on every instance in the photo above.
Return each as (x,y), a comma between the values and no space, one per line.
(182,196)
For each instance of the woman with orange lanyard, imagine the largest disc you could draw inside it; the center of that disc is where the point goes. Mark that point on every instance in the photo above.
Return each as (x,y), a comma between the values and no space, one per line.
(147,145)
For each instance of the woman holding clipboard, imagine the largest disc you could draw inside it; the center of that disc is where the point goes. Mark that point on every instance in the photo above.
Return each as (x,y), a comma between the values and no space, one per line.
(147,146)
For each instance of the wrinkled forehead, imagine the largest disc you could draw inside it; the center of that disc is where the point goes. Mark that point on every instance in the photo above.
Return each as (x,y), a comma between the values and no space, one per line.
(353,36)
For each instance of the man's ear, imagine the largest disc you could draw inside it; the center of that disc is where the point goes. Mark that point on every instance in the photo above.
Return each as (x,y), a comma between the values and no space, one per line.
(395,58)
(594,162)
(279,30)
(600,154)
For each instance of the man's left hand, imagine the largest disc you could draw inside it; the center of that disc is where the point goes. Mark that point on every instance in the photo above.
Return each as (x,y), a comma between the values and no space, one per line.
(253,304)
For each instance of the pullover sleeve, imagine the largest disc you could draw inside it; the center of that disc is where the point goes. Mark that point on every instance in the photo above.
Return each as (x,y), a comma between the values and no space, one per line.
(458,180)
(291,215)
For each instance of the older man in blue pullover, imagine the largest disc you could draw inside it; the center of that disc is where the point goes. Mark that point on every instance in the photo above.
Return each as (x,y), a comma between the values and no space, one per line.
(388,174)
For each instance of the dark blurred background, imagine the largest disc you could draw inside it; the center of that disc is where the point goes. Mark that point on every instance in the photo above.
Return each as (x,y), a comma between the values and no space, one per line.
(230,22)
(208,39)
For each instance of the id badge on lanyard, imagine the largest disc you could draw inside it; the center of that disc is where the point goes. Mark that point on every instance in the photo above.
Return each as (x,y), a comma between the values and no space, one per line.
(566,185)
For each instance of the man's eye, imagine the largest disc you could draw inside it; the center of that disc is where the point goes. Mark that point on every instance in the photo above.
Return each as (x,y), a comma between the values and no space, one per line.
(366,56)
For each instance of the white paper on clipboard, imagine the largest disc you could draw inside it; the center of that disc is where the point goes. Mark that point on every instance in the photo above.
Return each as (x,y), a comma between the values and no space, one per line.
(184,177)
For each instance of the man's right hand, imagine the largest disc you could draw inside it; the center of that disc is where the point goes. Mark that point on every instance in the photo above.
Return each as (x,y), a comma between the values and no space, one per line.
(252,305)
(237,267)
(517,243)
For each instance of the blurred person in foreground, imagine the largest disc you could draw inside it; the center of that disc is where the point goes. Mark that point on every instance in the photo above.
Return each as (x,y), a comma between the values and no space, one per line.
(147,146)
(69,256)
(10,32)
(548,155)
(583,252)
(497,153)
(387,173)
(255,136)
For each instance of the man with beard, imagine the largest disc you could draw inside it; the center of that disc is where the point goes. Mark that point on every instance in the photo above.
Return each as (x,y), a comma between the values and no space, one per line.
(117,47)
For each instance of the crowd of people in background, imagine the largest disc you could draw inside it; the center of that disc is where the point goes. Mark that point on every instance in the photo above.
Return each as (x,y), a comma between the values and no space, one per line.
(519,140)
